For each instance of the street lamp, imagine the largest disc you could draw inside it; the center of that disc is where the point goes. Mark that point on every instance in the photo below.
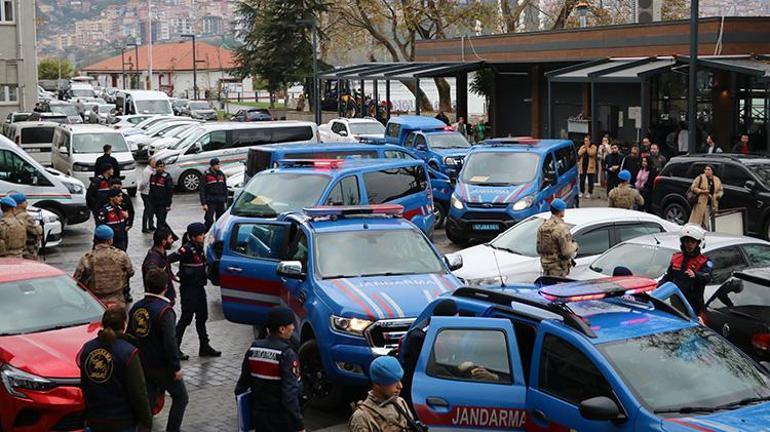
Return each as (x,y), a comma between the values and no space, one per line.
(136,53)
(195,66)
(313,24)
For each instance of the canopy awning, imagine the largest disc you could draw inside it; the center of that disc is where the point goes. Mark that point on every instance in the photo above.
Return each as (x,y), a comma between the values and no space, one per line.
(400,71)
(757,66)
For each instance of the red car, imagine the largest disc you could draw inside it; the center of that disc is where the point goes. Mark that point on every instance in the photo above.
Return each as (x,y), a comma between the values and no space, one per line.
(45,318)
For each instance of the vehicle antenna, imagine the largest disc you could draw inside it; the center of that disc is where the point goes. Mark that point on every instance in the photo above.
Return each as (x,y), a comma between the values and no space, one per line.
(499,272)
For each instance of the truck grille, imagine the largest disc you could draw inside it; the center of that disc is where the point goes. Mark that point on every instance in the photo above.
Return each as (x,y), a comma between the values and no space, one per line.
(496,216)
(387,333)
(488,205)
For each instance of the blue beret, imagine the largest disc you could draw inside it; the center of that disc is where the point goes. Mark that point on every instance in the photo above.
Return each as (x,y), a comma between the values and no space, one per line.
(8,202)
(624,175)
(19,197)
(103,232)
(558,204)
(196,228)
(385,370)
(214,161)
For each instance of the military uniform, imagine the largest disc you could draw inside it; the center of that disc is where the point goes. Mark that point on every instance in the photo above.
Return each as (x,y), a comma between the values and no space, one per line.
(555,247)
(96,195)
(13,236)
(105,271)
(624,196)
(116,217)
(271,370)
(34,233)
(213,194)
(376,415)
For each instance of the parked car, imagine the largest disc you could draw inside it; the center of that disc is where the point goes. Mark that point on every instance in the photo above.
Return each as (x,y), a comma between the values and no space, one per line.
(49,117)
(201,110)
(177,104)
(45,318)
(351,129)
(169,140)
(58,107)
(143,102)
(513,257)
(129,121)
(746,182)
(252,114)
(650,256)
(139,142)
(35,138)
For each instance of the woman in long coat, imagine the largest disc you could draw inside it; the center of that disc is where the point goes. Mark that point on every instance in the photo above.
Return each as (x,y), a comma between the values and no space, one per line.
(708,190)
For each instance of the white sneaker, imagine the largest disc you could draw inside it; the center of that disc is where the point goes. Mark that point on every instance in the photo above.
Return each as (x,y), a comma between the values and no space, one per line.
(580,195)
(588,196)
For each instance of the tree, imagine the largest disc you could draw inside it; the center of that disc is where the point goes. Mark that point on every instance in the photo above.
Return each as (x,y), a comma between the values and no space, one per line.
(275,45)
(49,68)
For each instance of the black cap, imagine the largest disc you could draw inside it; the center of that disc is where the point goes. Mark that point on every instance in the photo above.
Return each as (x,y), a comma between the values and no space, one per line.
(104,167)
(279,316)
(196,228)
(214,161)
(114,192)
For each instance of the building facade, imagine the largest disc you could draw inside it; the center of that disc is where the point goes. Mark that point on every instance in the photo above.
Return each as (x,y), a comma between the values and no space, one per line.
(18,58)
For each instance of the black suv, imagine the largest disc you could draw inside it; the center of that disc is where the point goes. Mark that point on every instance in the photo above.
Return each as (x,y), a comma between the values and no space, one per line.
(746,182)
(252,114)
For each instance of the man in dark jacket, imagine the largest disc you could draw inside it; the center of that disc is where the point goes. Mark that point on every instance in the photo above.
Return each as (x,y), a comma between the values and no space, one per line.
(157,258)
(632,163)
(270,370)
(115,216)
(612,164)
(161,193)
(690,270)
(151,325)
(107,158)
(213,193)
(96,195)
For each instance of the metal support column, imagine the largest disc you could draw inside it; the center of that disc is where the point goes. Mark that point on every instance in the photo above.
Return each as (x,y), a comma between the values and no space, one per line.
(645,106)
(387,99)
(339,98)
(692,106)
(362,108)
(461,96)
(767,116)
(417,96)
(376,100)
(592,132)
(550,110)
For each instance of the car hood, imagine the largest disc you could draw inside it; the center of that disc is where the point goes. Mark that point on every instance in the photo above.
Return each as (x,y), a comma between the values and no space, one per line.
(138,139)
(482,261)
(384,297)
(753,418)
(450,151)
(48,354)
(492,194)
(163,143)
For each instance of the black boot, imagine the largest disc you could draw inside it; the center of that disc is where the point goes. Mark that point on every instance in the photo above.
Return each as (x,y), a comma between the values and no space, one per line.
(206,351)
(182,356)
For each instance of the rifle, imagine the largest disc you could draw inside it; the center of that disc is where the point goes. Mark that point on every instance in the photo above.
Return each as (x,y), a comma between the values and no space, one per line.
(414,425)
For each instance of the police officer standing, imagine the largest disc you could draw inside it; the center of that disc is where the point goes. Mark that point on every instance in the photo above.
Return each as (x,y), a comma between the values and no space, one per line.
(383,410)
(13,234)
(127,204)
(271,371)
(151,324)
(105,270)
(112,379)
(213,193)
(96,195)
(690,270)
(555,246)
(624,196)
(192,290)
(33,227)
(115,216)
(157,258)
(161,193)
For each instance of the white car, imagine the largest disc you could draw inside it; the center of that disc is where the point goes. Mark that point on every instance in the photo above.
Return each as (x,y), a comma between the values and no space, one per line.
(130,121)
(52,227)
(351,129)
(650,255)
(512,256)
(171,139)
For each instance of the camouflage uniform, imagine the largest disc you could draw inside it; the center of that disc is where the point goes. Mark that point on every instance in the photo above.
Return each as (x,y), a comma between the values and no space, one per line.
(105,271)
(369,416)
(34,233)
(555,247)
(13,236)
(624,196)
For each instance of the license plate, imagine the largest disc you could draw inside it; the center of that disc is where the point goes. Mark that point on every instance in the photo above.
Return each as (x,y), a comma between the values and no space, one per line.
(486,227)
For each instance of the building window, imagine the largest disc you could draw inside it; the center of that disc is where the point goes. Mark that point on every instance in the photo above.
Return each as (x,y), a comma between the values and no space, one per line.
(6,14)
(9,93)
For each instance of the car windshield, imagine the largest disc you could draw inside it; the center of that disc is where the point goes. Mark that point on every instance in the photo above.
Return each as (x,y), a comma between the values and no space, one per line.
(501,169)
(447,140)
(68,110)
(200,106)
(642,259)
(94,142)
(372,253)
(83,93)
(106,109)
(169,130)
(35,305)
(153,107)
(190,138)
(762,171)
(520,239)
(372,128)
(668,371)
(271,194)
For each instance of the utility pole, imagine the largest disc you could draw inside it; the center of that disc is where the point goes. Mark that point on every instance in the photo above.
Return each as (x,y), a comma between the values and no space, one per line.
(692,106)
(313,24)
(149,45)
(195,66)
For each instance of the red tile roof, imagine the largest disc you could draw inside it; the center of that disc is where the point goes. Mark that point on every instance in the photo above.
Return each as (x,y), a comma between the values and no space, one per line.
(168,57)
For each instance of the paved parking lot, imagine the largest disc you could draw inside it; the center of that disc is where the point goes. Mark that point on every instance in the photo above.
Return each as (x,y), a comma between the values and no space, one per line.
(209,381)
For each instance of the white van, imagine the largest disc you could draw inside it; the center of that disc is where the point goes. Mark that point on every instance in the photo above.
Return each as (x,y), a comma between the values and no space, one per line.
(45,188)
(76,148)
(229,141)
(143,102)
(35,138)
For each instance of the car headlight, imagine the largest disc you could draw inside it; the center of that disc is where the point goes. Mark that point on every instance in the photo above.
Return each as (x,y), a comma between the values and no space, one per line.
(81,167)
(523,203)
(15,380)
(353,326)
(74,188)
(456,203)
(488,281)
(450,161)
(171,159)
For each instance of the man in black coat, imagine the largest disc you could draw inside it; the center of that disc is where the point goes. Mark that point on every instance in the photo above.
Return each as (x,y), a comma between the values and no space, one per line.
(612,164)
(107,158)
(161,193)
(632,163)
(213,193)
(96,195)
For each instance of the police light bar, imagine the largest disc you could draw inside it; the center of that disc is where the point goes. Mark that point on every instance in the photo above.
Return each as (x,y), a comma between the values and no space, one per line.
(312,163)
(394,210)
(449,128)
(527,140)
(597,290)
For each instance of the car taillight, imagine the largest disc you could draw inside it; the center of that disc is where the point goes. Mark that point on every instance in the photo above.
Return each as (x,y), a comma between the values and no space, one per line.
(761,341)
(656,181)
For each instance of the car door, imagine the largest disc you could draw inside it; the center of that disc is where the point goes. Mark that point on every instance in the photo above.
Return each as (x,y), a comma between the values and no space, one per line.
(726,260)
(734,178)
(564,375)
(757,254)
(248,280)
(592,242)
(447,395)
(549,182)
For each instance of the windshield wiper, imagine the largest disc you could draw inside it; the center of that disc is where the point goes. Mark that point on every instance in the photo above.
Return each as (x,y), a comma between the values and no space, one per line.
(492,184)
(687,410)
(745,401)
(254,213)
(388,274)
(341,276)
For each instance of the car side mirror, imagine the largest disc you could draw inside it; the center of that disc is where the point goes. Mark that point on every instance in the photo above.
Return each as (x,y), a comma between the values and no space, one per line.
(290,270)
(342,133)
(600,408)
(454,261)
(63,150)
(421,147)
(750,185)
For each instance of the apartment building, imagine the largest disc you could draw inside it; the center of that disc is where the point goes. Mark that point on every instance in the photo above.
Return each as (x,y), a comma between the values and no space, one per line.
(18,59)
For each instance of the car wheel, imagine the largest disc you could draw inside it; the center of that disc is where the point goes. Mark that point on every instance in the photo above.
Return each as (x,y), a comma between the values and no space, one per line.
(321,393)
(132,192)
(453,237)
(439,211)
(675,212)
(190,181)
